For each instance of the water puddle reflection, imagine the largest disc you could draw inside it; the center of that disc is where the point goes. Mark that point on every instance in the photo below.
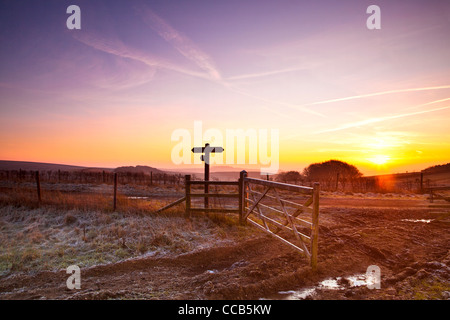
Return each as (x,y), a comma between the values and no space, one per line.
(418,220)
(338,283)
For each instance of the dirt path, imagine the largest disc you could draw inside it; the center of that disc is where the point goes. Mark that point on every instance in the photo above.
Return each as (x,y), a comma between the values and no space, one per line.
(413,258)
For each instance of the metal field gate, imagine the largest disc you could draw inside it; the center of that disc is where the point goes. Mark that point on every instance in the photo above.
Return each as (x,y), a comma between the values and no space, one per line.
(290,213)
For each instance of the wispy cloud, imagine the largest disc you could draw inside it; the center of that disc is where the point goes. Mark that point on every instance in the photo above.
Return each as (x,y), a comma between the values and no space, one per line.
(118,48)
(192,52)
(181,43)
(379,119)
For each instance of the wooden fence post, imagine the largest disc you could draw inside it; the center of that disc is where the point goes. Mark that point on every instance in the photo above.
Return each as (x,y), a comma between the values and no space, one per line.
(315,226)
(242,176)
(38,186)
(115,191)
(187,188)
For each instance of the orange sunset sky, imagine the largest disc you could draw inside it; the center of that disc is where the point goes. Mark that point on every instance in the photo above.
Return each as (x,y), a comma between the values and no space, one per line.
(112,93)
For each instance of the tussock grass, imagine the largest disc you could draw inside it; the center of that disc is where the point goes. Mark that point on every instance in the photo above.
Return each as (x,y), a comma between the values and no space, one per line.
(82,228)
(48,238)
(26,197)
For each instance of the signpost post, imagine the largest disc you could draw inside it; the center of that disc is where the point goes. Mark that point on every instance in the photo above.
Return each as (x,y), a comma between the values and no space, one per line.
(206,150)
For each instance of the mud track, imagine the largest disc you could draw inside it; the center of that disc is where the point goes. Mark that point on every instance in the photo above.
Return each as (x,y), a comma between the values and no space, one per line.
(410,254)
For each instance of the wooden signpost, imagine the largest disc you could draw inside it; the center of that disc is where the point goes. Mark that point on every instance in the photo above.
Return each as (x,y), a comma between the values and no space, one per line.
(206,150)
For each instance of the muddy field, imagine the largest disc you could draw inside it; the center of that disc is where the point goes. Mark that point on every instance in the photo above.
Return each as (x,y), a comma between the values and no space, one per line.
(406,237)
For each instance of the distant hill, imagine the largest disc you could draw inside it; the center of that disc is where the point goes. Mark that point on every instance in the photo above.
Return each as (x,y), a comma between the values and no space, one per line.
(138,169)
(213,168)
(223,173)
(40,166)
(36,166)
(438,169)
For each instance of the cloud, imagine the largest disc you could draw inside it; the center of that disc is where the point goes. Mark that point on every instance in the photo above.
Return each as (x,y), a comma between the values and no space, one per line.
(189,50)
(192,52)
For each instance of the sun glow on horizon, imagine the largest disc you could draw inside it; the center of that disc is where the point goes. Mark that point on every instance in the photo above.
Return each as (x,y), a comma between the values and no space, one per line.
(380,159)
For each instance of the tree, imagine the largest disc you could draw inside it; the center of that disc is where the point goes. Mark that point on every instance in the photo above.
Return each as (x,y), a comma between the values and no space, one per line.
(331,173)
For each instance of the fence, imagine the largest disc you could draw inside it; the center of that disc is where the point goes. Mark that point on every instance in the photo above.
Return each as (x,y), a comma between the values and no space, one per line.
(97,177)
(294,224)
(437,195)
(206,195)
(37,177)
(278,222)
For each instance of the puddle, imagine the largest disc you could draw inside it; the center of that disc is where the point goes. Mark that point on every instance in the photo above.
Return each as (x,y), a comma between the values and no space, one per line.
(418,220)
(338,283)
(212,271)
(330,284)
(297,295)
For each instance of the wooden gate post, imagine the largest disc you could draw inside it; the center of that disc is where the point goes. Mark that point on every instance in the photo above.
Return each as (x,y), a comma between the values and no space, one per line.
(187,188)
(242,176)
(315,226)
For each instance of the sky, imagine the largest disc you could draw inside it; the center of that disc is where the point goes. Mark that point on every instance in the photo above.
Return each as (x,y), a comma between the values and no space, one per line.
(114,92)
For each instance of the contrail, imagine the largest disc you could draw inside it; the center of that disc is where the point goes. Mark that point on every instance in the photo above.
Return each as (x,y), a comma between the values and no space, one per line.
(382,93)
(264,74)
(284,104)
(428,103)
(380,119)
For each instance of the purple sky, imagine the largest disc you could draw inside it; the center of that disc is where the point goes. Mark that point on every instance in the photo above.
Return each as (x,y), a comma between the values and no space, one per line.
(113,92)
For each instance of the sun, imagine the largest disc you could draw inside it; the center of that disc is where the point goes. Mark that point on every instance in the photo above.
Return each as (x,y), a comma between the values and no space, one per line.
(380,159)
